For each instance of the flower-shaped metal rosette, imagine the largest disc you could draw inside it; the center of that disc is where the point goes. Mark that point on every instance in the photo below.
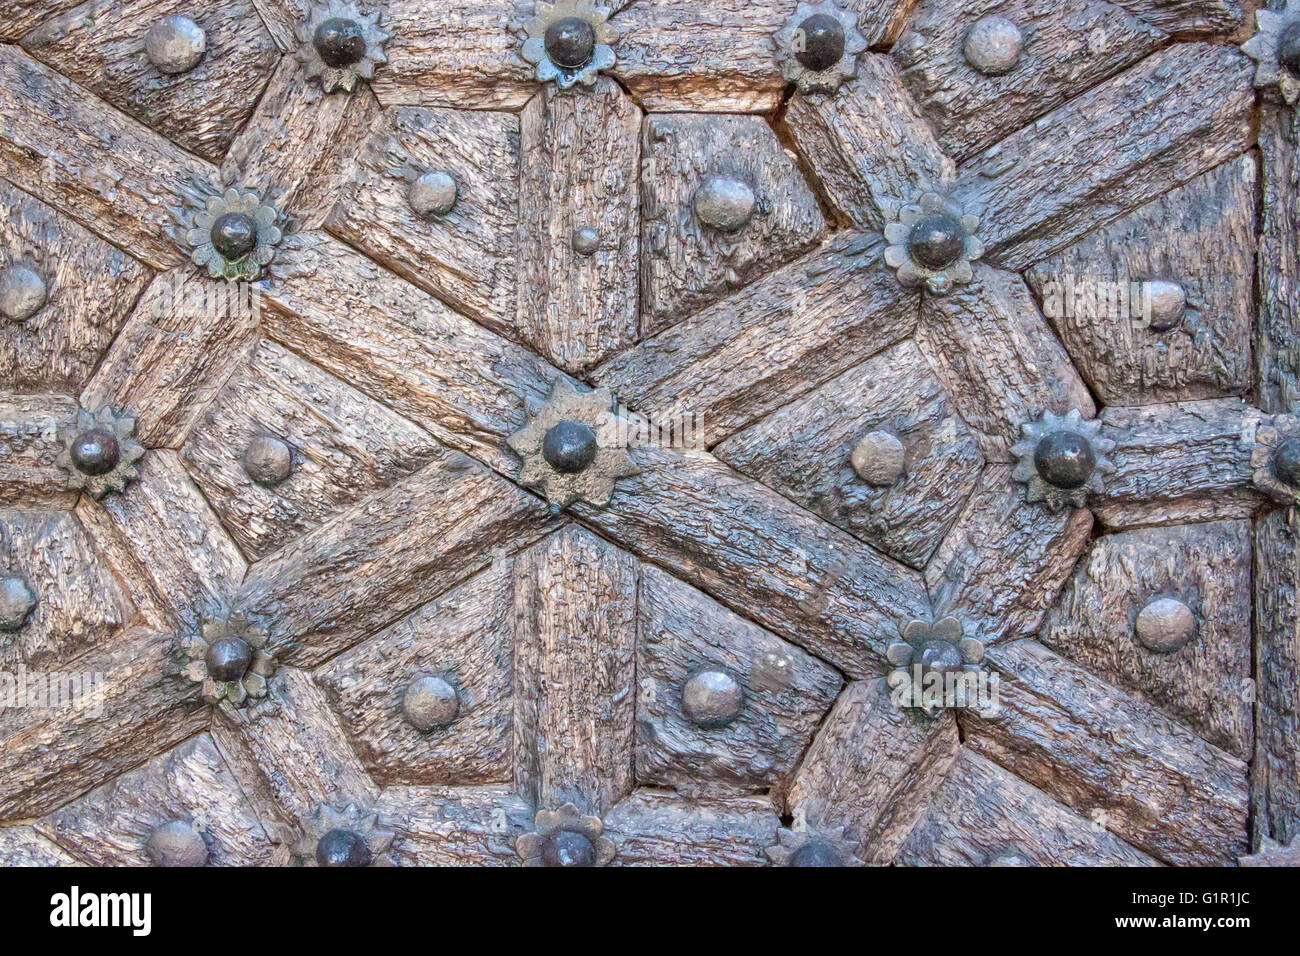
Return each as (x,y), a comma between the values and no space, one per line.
(818,47)
(228,660)
(99,452)
(1275,458)
(352,836)
(932,242)
(814,845)
(1276,50)
(235,235)
(565,837)
(569,41)
(936,648)
(570,447)
(1061,459)
(338,45)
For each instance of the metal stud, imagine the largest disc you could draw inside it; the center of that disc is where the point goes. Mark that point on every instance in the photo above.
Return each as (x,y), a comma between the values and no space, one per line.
(268,460)
(1168,303)
(175,44)
(570,42)
(95,452)
(712,699)
(724,203)
(432,194)
(22,293)
(569,446)
(228,659)
(429,703)
(815,853)
(879,459)
(1165,625)
(16,602)
(993,45)
(1288,47)
(339,42)
(822,42)
(936,241)
(1286,462)
(176,843)
(234,235)
(585,240)
(1064,459)
(341,847)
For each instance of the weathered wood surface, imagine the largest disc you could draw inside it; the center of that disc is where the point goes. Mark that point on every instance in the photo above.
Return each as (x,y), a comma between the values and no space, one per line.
(89,289)
(1003,562)
(344,445)
(23,846)
(1191,17)
(875,768)
(29,443)
(803,449)
(881,21)
(1278,356)
(579,168)
(17,17)
(466,637)
(1112,758)
(869,144)
(575,610)
(786,694)
(101,47)
(1179,112)
(466,257)
(455,826)
(659,828)
(984,816)
(686,265)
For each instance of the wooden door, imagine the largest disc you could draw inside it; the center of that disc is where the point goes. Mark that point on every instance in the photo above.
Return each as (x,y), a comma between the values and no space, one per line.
(469,433)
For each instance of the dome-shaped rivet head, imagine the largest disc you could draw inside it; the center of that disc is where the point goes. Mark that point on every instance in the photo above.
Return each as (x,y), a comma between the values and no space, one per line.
(585,240)
(233,235)
(1064,459)
(95,452)
(879,459)
(1165,625)
(993,45)
(724,203)
(176,843)
(268,460)
(16,602)
(937,240)
(570,42)
(941,657)
(22,293)
(429,703)
(567,848)
(1286,462)
(1288,47)
(228,659)
(712,699)
(339,42)
(432,194)
(819,42)
(1168,303)
(175,44)
(569,446)
(340,847)
(815,853)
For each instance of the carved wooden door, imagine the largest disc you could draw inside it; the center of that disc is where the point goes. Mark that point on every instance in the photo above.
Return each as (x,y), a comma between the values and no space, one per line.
(477,433)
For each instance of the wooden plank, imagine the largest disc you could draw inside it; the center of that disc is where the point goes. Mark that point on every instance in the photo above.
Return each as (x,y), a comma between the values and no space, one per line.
(111,826)
(881,22)
(1278,355)
(786,694)
(984,816)
(873,767)
(1004,561)
(998,359)
(1112,758)
(89,288)
(575,612)
(652,828)
(344,445)
(735,361)
(101,47)
(803,450)
(1179,112)
(466,257)
(686,265)
(23,846)
(119,179)
(29,443)
(579,164)
(869,144)
(455,826)
(17,17)
(466,636)
(1191,17)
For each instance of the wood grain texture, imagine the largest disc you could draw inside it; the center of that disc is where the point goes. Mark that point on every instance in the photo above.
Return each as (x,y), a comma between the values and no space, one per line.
(653,828)
(23,846)
(17,17)
(803,449)
(983,815)
(1003,562)
(1179,112)
(786,694)
(575,612)
(1190,17)
(685,265)
(739,359)
(466,637)
(29,443)
(1112,758)
(455,826)
(869,144)
(881,21)
(875,768)
(111,825)
(1277,354)
(467,257)
(344,445)
(579,165)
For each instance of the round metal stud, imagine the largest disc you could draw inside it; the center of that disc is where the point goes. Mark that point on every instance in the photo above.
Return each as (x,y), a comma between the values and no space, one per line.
(22,293)
(1286,462)
(429,703)
(936,241)
(233,235)
(941,657)
(879,459)
(821,42)
(567,848)
(1064,459)
(95,452)
(1288,47)
(268,460)
(712,699)
(724,203)
(176,843)
(1165,625)
(228,659)
(16,602)
(433,194)
(569,446)
(341,847)
(339,42)
(175,44)
(570,42)
(815,853)
(1168,303)
(585,240)
(993,45)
